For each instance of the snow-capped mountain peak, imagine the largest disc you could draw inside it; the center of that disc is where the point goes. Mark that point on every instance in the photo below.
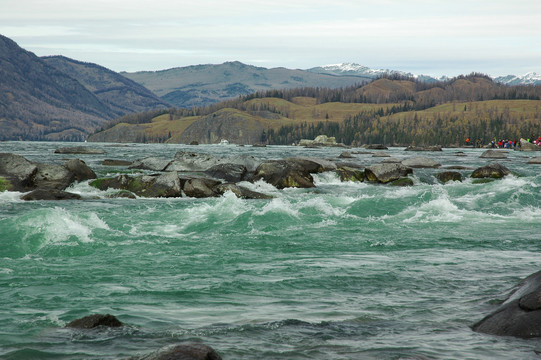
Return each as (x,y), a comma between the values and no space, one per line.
(531,78)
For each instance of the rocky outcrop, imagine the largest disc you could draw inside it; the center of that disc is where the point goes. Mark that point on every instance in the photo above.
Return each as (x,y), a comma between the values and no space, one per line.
(421,162)
(494,154)
(94,321)
(191,351)
(387,172)
(190,161)
(494,171)
(19,174)
(50,194)
(288,173)
(519,315)
(446,176)
(79,150)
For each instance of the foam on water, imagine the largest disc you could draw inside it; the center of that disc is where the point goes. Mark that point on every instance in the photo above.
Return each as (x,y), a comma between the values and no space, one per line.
(58,226)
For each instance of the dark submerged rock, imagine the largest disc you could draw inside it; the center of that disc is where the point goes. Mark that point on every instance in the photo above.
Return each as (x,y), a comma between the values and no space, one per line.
(115,162)
(191,351)
(494,171)
(386,172)
(96,320)
(79,150)
(50,194)
(519,315)
(375,147)
(402,182)
(446,176)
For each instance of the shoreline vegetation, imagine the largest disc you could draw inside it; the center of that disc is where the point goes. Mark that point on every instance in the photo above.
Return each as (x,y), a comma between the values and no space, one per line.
(392,110)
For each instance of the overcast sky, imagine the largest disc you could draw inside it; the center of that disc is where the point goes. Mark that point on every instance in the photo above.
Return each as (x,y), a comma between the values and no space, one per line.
(433,37)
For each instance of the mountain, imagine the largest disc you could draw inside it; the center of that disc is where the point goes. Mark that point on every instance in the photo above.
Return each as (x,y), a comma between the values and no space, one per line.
(530,78)
(202,85)
(386,110)
(43,99)
(121,94)
(352,69)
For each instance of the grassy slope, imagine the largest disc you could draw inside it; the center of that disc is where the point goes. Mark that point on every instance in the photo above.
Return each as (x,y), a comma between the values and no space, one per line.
(303,109)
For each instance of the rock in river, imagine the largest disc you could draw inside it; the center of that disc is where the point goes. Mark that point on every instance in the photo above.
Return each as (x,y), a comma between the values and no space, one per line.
(93,321)
(494,171)
(519,315)
(386,172)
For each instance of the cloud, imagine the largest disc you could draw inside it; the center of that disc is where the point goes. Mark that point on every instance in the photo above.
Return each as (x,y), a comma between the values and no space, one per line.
(156,34)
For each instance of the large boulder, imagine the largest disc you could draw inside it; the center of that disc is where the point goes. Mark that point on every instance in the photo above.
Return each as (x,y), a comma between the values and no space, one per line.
(150,163)
(375,147)
(79,150)
(16,173)
(288,173)
(53,176)
(386,172)
(519,315)
(50,194)
(494,171)
(228,172)
(494,154)
(200,188)
(421,162)
(162,185)
(528,146)
(191,351)
(94,321)
(80,170)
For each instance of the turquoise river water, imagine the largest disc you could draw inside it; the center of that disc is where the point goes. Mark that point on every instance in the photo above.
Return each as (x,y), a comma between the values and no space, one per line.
(343,271)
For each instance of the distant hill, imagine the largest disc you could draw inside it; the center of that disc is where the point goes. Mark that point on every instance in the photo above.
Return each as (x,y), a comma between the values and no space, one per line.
(121,94)
(202,85)
(389,110)
(61,99)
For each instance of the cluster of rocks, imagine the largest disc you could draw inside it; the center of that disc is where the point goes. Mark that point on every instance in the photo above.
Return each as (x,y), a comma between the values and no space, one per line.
(201,175)
(188,351)
(42,181)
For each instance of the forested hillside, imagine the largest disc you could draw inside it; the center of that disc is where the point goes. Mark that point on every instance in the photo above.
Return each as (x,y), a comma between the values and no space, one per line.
(391,110)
